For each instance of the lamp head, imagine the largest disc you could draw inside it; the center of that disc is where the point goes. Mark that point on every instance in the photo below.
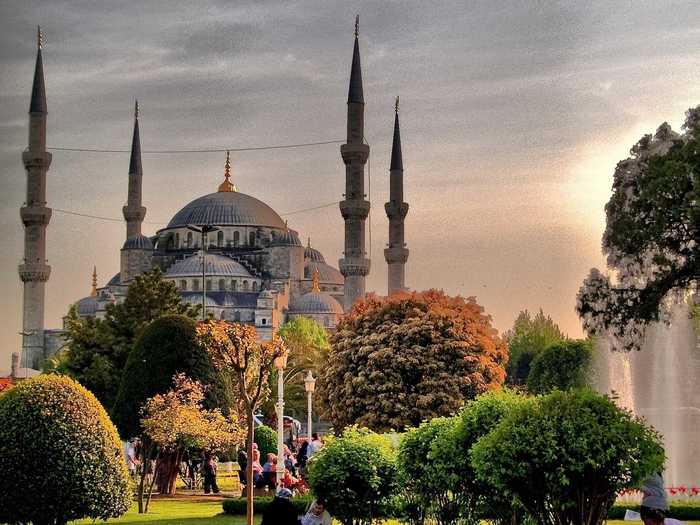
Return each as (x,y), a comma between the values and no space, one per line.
(309,382)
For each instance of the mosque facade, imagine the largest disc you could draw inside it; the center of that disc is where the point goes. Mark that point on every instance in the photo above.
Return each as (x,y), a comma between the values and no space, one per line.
(226,250)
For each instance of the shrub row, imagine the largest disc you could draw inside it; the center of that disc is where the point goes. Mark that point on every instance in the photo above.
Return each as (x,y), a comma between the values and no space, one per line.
(237,506)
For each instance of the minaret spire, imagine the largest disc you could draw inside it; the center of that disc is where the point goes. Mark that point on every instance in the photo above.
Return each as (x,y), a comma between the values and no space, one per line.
(134,212)
(396,254)
(93,292)
(354,208)
(227,185)
(34,272)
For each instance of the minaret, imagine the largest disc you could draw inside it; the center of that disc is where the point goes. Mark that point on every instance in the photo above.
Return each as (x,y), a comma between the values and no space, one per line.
(34,272)
(93,292)
(137,251)
(396,209)
(354,265)
(134,212)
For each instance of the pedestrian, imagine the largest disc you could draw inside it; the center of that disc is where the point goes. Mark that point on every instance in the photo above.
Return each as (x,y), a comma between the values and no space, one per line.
(281,511)
(654,507)
(242,465)
(314,446)
(210,474)
(317,514)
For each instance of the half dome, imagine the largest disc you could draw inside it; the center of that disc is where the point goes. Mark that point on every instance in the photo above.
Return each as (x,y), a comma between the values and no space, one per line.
(316,303)
(217,266)
(227,208)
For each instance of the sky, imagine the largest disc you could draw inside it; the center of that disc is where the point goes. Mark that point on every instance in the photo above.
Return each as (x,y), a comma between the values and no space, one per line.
(513,116)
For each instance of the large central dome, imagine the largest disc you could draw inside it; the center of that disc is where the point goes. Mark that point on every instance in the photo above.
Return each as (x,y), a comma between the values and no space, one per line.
(227,208)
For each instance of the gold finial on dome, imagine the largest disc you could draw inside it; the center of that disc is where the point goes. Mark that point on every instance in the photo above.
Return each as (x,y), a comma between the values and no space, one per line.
(316,281)
(93,293)
(226,185)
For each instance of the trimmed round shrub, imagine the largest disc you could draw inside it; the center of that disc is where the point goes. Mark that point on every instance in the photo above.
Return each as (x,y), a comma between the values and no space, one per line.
(60,455)
(567,455)
(355,475)
(562,366)
(266,439)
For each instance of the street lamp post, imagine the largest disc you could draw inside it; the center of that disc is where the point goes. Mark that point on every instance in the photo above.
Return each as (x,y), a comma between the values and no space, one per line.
(204,230)
(309,386)
(280,363)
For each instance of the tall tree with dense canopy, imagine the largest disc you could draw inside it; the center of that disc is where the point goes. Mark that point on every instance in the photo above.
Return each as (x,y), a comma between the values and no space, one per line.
(562,366)
(529,336)
(651,238)
(235,351)
(97,349)
(397,361)
(60,455)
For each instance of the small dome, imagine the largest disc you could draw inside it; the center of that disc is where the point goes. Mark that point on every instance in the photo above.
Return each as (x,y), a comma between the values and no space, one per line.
(115,280)
(87,306)
(217,266)
(138,242)
(227,208)
(316,303)
(313,255)
(285,238)
(327,274)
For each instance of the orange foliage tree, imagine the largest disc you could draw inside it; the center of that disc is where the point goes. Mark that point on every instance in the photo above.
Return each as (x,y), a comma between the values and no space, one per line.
(235,351)
(397,361)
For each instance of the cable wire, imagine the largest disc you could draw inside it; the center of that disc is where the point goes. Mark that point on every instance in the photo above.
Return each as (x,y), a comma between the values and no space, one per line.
(206,150)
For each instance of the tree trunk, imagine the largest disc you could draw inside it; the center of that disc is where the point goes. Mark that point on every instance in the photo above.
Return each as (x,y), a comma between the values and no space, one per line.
(167,471)
(249,468)
(150,486)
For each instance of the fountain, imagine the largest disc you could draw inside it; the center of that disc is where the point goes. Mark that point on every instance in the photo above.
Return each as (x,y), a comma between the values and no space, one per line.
(661,383)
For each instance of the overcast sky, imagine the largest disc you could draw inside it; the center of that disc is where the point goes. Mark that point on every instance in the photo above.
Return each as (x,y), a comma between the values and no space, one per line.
(513,116)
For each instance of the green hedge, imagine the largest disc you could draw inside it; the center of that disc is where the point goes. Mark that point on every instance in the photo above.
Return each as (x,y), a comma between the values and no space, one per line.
(237,507)
(679,512)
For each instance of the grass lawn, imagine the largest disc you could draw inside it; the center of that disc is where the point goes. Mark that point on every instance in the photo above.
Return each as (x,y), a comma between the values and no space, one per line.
(184,512)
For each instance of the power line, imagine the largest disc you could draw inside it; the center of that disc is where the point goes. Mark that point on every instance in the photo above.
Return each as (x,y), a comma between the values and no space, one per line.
(206,150)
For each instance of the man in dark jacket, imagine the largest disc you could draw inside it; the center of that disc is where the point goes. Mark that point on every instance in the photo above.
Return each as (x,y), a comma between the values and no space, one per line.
(281,511)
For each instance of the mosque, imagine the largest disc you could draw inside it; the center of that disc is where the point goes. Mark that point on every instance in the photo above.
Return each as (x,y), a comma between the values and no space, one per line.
(226,250)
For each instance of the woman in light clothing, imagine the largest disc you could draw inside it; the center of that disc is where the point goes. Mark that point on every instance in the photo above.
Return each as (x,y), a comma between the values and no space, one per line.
(316,515)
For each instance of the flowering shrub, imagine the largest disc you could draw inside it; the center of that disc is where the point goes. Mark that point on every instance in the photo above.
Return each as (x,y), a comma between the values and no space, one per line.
(60,455)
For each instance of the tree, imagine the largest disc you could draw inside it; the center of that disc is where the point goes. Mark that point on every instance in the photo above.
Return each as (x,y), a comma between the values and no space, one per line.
(97,349)
(567,455)
(651,238)
(167,346)
(397,361)
(355,476)
(529,336)
(235,351)
(561,366)
(176,422)
(60,455)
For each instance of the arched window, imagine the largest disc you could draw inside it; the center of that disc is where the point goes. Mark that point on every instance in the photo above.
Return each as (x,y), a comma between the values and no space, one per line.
(326,322)
(255,286)
(189,240)
(183,285)
(245,286)
(208,285)
(237,316)
(264,321)
(195,285)
(251,238)
(220,238)
(236,238)
(222,285)
(234,285)
(177,240)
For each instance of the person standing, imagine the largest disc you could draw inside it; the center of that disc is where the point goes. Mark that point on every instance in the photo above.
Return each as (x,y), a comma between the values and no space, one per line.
(654,507)
(314,446)
(210,475)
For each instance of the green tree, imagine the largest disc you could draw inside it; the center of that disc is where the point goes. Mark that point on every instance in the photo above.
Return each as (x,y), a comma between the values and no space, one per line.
(529,336)
(561,366)
(397,361)
(97,349)
(355,475)
(60,455)
(567,455)
(650,241)
(266,439)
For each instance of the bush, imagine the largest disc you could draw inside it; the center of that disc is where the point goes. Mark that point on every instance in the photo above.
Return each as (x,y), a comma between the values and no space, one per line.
(562,366)
(567,455)
(237,507)
(168,346)
(356,476)
(266,438)
(60,455)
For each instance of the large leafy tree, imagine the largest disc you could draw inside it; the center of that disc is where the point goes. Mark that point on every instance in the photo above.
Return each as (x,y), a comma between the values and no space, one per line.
(529,336)
(97,349)
(397,361)
(651,239)
(562,366)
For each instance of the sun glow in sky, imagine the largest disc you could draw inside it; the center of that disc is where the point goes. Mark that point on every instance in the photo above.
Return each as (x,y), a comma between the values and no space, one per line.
(514,115)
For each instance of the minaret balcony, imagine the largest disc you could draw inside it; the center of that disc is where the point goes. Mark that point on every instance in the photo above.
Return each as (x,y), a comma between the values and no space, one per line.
(35,215)
(36,159)
(354,209)
(354,153)
(354,266)
(395,254)
(396,210)
(34,272)
(134,213)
